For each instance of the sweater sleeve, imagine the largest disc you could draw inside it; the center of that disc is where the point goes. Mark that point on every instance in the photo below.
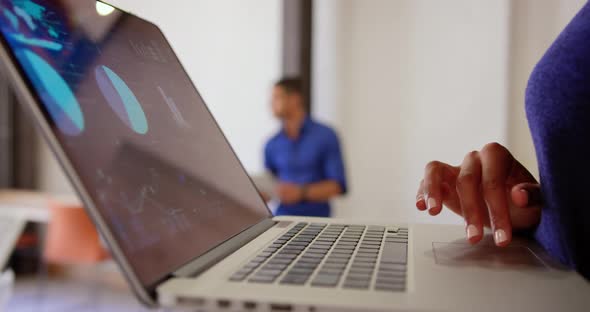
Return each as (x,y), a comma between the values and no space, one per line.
(558,111)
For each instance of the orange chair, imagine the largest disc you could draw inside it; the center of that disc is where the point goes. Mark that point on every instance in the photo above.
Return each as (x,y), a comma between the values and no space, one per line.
(71,238)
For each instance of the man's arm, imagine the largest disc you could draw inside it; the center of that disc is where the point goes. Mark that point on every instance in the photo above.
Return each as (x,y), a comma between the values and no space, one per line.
(322,191)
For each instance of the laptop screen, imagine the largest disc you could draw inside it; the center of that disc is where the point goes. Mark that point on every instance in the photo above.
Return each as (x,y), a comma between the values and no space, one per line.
(138,135)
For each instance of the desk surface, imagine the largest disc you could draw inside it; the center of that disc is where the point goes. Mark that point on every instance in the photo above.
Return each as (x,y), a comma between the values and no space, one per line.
(6,282)
(31,205)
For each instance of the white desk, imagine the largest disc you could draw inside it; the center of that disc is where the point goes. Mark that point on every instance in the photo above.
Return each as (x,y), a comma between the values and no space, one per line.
(6,282)
(30,205)
(26,206)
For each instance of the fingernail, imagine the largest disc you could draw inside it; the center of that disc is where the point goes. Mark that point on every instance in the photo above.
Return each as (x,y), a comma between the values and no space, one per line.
(500,237)
(431,203)
(472,231)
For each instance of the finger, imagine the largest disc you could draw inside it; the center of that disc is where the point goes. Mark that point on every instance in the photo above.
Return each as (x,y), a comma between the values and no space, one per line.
(420,203)
(432,187)
(527,201)
(468,188)
(496,163)
(450,196)
(526,195)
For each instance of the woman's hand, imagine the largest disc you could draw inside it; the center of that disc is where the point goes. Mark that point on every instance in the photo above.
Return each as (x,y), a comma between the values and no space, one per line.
(490,188)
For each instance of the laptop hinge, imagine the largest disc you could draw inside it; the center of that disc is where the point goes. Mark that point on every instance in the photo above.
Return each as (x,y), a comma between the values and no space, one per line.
(214,255)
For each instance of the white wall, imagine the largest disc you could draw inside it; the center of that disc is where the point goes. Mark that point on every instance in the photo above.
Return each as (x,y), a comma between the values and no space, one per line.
(414,81)
(410,81)
(232,51)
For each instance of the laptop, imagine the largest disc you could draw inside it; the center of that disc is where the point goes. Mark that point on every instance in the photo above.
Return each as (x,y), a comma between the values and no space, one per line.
(183,219)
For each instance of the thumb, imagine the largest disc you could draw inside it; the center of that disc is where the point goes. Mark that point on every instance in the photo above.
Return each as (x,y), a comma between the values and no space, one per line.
(526,195)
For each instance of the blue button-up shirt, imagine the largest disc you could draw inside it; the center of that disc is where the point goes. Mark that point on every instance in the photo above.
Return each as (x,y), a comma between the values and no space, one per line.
(314,156)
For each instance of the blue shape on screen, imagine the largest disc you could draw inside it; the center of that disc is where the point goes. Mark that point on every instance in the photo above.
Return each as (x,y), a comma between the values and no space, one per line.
(121,99)
(12,18)
(54,91)
(42,43)
(29,11)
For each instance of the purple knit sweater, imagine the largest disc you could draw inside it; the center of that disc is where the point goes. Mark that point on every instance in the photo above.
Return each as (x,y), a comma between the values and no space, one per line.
(558,111)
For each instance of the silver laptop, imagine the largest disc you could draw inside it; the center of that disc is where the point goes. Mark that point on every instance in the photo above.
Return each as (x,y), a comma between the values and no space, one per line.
(183,219)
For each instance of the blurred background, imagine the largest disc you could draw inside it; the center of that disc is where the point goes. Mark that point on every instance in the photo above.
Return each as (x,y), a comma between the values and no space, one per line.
(403,82)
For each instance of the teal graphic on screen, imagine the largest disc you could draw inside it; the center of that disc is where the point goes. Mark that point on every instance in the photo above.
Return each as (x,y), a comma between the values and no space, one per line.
(121,99)
(55,92)
(31,30)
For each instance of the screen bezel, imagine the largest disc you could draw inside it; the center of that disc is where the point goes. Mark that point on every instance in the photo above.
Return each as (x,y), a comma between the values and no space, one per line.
(43,122)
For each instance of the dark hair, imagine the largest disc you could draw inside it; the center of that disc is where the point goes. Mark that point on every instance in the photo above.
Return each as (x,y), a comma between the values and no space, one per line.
(290,84)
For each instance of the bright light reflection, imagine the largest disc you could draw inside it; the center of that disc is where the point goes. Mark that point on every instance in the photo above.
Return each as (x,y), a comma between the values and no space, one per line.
(103,9)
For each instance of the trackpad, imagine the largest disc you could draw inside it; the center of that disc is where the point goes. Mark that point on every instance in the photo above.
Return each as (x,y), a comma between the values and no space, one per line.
(486,256)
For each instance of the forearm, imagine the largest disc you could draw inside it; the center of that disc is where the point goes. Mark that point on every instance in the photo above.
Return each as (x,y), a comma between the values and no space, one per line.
(322,191)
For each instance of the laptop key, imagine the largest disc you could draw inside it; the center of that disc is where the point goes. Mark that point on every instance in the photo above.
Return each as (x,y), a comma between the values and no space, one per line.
(301,271)
(270,249)
(391,275)
(250,266)
(344,247)
(403,241)
(280,261)
(262,279)
(364,260)
(238,277)
(370,243)
(320,245)
(334,266)
(294,279)
(259,259)
(367,252)
(359,278)
(361,270)
(393,288)
(394,253)
(275,266)
(356,285)
(359,265)
(313,255)
(342,251)
(340,256)
(308,263)
(269,272)
(392,267)
(337,260)
(391,283)
(325,280)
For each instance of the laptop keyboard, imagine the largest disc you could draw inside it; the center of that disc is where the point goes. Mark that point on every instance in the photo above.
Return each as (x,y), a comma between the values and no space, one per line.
(332,255)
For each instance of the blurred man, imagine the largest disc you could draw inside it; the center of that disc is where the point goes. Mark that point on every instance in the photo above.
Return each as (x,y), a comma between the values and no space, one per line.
(304,156)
